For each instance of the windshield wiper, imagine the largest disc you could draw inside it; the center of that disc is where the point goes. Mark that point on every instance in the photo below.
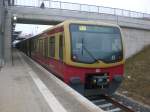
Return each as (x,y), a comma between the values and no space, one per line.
(90,54)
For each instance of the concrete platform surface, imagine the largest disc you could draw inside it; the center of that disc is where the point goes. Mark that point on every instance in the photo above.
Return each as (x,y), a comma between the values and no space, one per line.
(28,87)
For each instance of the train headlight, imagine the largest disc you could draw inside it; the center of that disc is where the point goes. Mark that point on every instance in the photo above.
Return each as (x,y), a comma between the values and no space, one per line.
(108,80)
(94,81)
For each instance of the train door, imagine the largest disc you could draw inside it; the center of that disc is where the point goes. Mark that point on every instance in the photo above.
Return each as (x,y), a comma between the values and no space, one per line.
(46,51)
(28,47)
(61,53)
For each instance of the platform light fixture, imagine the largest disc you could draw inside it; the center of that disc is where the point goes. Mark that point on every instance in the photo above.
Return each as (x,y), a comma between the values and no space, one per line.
(14,18)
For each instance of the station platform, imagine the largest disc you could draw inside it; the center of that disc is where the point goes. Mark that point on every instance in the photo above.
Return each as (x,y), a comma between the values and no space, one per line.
(25,86)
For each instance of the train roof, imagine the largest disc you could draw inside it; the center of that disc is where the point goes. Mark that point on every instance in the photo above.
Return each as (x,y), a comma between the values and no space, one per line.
(81,22)
(76,22)
(90,22)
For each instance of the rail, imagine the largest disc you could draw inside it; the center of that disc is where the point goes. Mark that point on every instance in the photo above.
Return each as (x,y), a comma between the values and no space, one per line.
(118,104)
(81,7)
(109,104)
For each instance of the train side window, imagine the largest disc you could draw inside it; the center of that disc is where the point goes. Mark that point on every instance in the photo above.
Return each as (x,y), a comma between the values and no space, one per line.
(38,48)
(46,47)
(36,45)
(52,46)
(41,47)
(43,51)
(61,47)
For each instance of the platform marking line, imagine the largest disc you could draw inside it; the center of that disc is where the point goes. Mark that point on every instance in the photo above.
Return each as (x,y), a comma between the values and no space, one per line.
(85,102)
(53,103)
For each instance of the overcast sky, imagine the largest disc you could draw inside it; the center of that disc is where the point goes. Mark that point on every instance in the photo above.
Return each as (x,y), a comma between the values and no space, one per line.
(30,28)
(133,5)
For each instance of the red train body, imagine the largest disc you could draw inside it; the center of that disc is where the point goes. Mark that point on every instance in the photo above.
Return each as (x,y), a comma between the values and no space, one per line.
(88,77)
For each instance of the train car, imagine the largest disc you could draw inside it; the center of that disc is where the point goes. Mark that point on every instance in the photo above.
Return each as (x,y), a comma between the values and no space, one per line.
(88,56)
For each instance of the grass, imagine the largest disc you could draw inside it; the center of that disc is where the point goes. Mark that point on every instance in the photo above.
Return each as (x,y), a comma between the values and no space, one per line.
(137,77)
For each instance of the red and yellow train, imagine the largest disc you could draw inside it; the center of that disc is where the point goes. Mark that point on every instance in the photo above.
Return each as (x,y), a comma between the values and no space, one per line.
(86,55)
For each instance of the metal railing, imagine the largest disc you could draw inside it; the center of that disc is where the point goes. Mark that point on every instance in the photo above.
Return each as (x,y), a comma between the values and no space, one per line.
(81,7)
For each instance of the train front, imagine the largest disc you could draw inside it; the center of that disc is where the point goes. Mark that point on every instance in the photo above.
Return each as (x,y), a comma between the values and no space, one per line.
(95,59)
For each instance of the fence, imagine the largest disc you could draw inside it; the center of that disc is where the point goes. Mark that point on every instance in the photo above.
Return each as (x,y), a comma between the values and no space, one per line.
(81,7)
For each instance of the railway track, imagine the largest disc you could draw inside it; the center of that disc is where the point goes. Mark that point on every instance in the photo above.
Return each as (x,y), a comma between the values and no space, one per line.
(109,104)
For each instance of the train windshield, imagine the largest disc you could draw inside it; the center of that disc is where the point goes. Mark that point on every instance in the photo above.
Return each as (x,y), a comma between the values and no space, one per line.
(90,43)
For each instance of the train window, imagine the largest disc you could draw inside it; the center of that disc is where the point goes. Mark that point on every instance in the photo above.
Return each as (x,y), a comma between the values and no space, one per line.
(45,47)
(41,47)
(32,45)
(52,46)
(43,51)
(38,47)
(35,45)
(61,47)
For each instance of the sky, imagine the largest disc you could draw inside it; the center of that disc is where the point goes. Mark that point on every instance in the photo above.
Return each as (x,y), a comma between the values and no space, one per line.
(31,28)
(133,5)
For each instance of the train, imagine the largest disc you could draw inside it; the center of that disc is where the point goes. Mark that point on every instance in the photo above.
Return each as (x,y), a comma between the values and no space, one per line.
(86,55)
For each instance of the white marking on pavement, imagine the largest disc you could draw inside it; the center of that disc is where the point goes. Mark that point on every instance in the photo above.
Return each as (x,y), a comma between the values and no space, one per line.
(49,97)
(85,102)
